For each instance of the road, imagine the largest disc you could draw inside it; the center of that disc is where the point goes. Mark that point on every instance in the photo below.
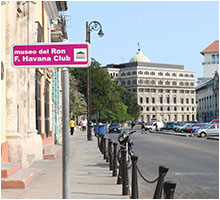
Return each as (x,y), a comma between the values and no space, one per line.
(193,164)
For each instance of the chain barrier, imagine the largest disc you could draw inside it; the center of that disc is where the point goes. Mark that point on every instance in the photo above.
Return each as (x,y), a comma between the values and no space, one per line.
(145,178)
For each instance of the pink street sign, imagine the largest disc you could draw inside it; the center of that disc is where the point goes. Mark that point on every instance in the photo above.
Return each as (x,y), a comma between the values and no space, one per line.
(51,55)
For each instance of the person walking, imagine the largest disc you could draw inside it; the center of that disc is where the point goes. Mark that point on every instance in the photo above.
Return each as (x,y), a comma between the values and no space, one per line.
(72,126)
(84,124)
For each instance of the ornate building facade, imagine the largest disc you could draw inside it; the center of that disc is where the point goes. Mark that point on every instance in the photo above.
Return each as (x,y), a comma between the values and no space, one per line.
(165,92)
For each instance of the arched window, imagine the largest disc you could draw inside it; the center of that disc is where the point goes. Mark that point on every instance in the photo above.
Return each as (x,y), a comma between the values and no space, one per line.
(123,74)
(129,82)
(182,108)
(192,108)
(140,81)
(161,108)
(186,84)
(128,73)
(175,109)
(146,73)
(153,82)
(191,84)
(147,109)
(167,74)
(123,82)
(152,73)
(181,83)
(134,73)
(160,82)
(181,75)
(186,75)
(173,74)
(160,74)
(146,82)
(167,83)
(153,109)
(174,83)
(187,108)
(191,75)
(168,108)
(141,108)
(140,72)
(134,82)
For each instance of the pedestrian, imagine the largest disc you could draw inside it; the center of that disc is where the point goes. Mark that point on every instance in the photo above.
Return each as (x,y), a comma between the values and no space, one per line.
(84,123)
(143,128)
(72,126)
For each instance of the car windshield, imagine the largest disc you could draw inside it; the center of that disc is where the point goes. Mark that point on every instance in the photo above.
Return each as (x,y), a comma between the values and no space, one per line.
(149,123)
(114,124)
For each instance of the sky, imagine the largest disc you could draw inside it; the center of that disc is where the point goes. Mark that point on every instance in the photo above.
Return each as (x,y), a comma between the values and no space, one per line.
(172,32)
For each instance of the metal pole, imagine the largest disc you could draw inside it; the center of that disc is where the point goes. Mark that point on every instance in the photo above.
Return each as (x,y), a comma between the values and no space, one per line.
(89,134)
(65,135)
(124,172)
(134,186)
(114,172)
(169,188)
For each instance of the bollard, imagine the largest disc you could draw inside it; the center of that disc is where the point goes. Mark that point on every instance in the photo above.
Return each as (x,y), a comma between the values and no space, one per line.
(134,184)
(162,173)
(110,155)
(124,173)
(98,141)
(114,172)
(119,172)
(169,188)
(109,140)
(104,148)
(102,144)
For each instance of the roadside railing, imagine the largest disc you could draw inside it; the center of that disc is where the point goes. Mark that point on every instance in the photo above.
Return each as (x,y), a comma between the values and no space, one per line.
(121,171)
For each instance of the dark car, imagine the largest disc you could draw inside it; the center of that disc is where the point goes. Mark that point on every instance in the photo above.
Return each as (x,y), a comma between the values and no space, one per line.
(169,125)
(115,127)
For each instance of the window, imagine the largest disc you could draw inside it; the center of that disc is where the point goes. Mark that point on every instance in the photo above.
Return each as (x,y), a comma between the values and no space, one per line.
(153,90)
(147,109)
(146,73)
(167,91)
(182,101)
(153,100)
(122,74)
(187,109)
(213,59)
(192,101)
(187,101)
(147,99)
(217,58)
(134,90)
(191,75)
(146,82)
(134,73)
(175,109)
(140,72)
(168,99)
(161,99)
(182,108)
(153,109)
(193,110)
(160,90)
(192,91)
(129,82)
(181,75)
(141,99)
(168,108)
(174,83)
(153,82)
(167,74)
(186,75)
(187,91)
(141,89)
(173,74)
(191,84)
(141,108)
(174,99)
(160,74)
(161,108)
(129,73)
(152,73)
(175,118)
(181,83)
(186,84)
(134,82)
(140,81)
(123,82)
(181,91)
(174,91)
(147,90)
(160,82)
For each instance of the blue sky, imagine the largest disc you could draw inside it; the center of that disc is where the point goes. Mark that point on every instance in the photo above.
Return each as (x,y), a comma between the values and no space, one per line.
(172,32)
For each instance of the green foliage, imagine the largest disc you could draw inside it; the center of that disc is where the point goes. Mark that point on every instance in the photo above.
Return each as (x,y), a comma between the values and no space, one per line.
(113,102)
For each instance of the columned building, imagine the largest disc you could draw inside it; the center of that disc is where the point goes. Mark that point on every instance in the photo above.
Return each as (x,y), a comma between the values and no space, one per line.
(165,92)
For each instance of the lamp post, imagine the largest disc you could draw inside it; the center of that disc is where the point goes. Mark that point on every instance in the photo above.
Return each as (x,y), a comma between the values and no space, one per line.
(92,26)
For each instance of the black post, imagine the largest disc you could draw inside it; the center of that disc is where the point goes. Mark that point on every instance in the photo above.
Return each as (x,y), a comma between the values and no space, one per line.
(110,155)
(107,160)
(101,145)
(124,173)
(162,173)
(134,185)
(119,172)
(114,172)
(169,188)
(98,141)
(104,148)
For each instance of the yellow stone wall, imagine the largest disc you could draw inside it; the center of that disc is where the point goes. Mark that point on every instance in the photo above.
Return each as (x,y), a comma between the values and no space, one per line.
(3,82)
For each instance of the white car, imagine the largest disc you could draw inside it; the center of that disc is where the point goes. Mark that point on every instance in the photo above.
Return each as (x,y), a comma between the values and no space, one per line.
(152,126)
(211,130)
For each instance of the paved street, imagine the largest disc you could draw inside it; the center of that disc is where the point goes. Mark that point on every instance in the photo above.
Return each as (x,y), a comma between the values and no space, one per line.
(192,163)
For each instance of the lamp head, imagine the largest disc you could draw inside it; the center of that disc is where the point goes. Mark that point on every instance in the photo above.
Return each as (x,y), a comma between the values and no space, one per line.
(100,33)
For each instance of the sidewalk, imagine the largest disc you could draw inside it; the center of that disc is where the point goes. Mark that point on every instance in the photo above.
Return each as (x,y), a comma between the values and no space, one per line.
(90,177)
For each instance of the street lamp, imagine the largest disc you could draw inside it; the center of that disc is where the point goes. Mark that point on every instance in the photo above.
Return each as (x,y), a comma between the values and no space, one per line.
(92,26)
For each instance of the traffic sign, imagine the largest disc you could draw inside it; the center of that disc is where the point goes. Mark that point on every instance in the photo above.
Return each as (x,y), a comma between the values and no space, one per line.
(44,55)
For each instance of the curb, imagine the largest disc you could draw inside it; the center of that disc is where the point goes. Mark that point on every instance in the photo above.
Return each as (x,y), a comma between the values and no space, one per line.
(213,138)
(175,134)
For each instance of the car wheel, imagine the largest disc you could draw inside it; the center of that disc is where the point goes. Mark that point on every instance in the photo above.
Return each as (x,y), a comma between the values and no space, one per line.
(203,134)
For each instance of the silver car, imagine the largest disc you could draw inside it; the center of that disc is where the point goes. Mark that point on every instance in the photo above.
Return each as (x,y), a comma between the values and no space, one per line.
(211,130)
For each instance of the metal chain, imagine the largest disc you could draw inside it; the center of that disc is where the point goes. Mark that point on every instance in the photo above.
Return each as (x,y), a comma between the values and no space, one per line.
(145,178)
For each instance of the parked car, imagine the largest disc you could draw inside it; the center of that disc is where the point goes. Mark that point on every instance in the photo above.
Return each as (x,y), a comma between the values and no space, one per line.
(215,121)
(187,128)
(169,125)
(177,125)
(115,127)
(211,130)
(152,126)
(197,126)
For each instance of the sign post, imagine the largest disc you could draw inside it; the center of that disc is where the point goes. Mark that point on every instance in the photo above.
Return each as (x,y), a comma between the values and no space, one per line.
(62,55)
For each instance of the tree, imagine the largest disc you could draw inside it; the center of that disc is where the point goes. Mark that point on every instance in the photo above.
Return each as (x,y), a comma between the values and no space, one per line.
(112,102)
